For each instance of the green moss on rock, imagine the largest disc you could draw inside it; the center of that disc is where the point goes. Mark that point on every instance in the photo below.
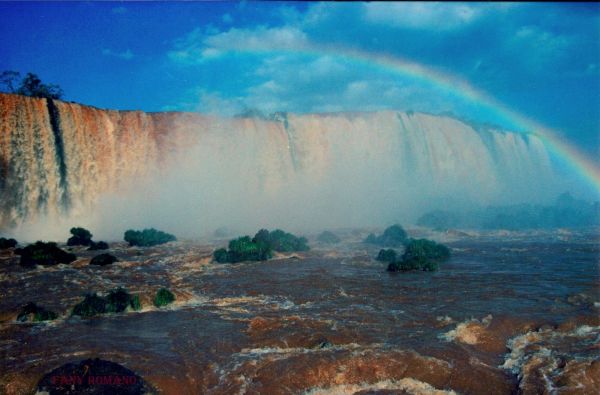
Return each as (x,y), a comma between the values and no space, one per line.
(163,297)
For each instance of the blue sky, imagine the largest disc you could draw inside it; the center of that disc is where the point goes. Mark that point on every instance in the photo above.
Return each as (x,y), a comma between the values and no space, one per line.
(541,60)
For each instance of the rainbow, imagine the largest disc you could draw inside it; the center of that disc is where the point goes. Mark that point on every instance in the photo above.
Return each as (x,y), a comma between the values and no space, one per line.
(576,161)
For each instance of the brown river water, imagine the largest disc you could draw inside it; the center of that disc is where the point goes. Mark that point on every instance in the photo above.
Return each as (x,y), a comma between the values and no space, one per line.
(510,312)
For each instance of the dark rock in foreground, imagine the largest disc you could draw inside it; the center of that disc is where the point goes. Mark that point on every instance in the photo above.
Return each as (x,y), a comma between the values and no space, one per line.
(93,377)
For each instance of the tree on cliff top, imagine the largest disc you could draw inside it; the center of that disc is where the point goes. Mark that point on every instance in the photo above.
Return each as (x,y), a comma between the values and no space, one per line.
(31,85)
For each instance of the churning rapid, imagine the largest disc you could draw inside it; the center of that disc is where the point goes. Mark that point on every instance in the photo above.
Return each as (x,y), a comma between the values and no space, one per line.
(63,160)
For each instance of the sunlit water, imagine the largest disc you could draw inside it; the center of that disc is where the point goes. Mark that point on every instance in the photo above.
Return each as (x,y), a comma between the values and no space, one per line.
(508,311)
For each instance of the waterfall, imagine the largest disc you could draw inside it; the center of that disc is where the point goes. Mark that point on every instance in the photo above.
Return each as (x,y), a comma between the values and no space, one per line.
(60,159)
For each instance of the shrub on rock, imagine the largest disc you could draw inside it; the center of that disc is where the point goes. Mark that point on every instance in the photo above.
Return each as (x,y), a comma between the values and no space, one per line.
(34,313)
(327,237)
(426,248)
(147,237)
(81,237)
(103,260)
(117,301)
(420,254)
(91,305)
(163,297)
(7,243)
(394,235)
(387,256)
(101,245)
(45,254)
(221,255)
(135,303)
(281,241)
(260,247)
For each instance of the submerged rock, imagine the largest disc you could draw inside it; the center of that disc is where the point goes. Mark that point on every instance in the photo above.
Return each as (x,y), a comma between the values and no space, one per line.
(324,343)
(93,377)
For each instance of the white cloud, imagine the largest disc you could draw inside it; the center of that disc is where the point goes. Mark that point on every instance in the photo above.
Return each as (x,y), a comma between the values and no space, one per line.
(126,55)
(197,47)
(419,15)
(541,47)
(261,38)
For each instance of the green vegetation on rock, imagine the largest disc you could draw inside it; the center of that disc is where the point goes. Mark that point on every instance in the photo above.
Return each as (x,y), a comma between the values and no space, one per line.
(327,237)
(117,301)
(45,254)
(147,237)
(34,313)
(7,243)
(260,247)
(91,305)
(101,245)
(421,254)
(31,85)
(81,237)
(387,256)
(103,259)
(163,297)
(394,235)
(281,241)
(135,303)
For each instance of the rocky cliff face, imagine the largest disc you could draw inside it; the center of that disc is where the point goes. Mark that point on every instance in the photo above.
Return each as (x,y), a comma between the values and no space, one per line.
(57,159)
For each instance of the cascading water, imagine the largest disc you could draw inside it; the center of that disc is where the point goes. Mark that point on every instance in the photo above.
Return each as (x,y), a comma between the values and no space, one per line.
(61,159)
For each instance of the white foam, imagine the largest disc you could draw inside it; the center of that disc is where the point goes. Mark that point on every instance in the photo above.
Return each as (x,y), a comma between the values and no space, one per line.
(411,385)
